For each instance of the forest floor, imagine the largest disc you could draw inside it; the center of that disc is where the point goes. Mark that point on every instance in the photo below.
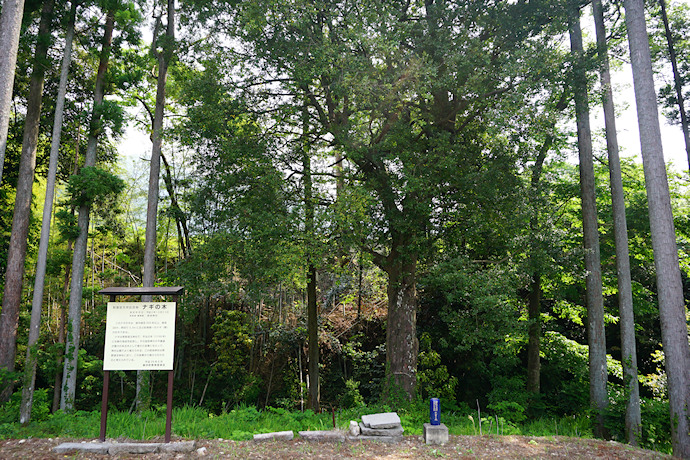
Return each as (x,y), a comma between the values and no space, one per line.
(412,447)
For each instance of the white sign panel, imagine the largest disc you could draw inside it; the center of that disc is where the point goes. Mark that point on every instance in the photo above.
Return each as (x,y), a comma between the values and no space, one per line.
(139,336)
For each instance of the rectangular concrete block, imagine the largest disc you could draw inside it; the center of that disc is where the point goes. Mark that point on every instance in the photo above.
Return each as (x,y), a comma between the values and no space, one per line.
(180,446)
(397,431)
(77,447)
(134,448)
(386,439)
(382,420)
(275,436)
(333,436)
(435,434)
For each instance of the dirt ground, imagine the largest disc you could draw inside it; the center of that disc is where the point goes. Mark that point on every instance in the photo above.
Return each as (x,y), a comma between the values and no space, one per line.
(412,447)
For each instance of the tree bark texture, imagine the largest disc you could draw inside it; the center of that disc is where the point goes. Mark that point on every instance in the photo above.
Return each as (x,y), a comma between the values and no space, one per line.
(39,283)
(672,310)
(633,416)
(402,346)
(69,373)
(16,254)
(593,285)
(163,56)
(10,27)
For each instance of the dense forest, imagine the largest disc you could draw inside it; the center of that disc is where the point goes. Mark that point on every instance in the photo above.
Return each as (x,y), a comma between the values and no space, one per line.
(366,202)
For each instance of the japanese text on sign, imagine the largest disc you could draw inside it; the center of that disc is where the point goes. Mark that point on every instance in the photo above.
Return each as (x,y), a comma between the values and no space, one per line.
(139,336)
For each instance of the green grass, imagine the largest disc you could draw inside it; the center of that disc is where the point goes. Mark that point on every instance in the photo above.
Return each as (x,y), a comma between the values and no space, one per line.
(241,423)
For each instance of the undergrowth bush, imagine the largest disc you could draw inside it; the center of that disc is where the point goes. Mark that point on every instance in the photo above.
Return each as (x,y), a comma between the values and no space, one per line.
(656,424)
(40,410)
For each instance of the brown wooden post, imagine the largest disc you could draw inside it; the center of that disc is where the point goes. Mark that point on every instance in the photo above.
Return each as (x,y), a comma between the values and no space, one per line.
(104,396)
(104,404)
(168,413)
(171,374)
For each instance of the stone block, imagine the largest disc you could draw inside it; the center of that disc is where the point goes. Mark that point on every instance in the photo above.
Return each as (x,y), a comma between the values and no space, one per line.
(78,447)
(354,428)
(333,436)
(180,446)
(397,431)
(275,436)
(133,448)
(386,439)
(382,420)
(435,434)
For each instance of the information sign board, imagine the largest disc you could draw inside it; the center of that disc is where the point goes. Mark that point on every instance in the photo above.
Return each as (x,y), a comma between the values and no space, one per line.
(139,336)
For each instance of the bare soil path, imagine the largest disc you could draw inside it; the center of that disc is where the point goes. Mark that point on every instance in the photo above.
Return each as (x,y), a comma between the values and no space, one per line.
(412,447)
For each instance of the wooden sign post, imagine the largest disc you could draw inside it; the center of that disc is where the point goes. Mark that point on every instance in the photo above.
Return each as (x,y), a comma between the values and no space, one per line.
(139,336)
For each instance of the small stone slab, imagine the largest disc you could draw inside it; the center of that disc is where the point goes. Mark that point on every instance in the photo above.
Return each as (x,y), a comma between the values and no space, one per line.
(354,428)
(333,436)
(90,448)
(181,446)
(397,431)
(435,434)
(134,448)
(124,448)
(386,439)
(275,436)
(382,420)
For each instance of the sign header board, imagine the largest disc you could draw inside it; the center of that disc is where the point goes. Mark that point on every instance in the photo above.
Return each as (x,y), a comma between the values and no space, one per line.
(139,336)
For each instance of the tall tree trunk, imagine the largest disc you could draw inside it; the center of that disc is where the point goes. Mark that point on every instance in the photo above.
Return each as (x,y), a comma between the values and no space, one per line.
(64,305)
(534,335)
(534,299)
(39,283)
(676,79)
(633,416)
(402,346)
(594,296)
(672,311)
(10,27)
(312,309)
(69,373)
(16,253)
(163,56)
(314,402)
(57,381)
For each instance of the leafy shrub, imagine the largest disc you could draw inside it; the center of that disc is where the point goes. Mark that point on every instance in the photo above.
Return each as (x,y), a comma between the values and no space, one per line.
(565,378)
(367,363)
(508,398)
(93,185)
(508,410)
(656,424)
(433,378)
(351,397)
(40,409)
(232,342)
